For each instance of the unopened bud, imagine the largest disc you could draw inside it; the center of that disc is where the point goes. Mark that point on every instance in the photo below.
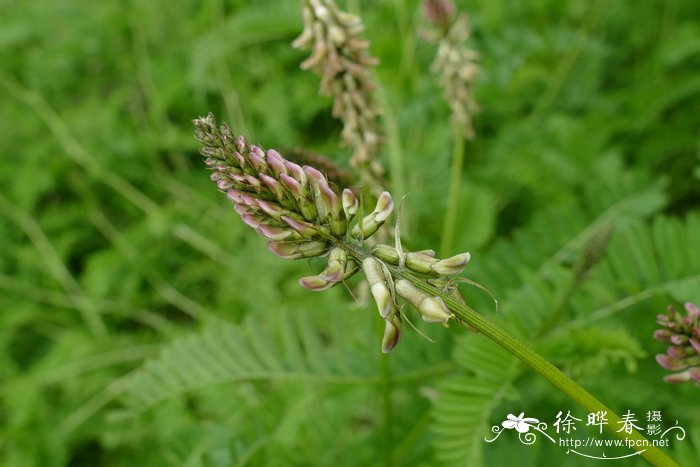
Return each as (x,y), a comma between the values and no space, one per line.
(296,172)
(350,203)
(451,266)
(276,162)
(304,228)
(668,362)
(256,158)
(371,223)
(276,233)
(297,249)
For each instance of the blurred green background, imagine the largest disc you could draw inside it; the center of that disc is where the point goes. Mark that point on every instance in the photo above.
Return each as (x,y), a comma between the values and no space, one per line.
(141,323)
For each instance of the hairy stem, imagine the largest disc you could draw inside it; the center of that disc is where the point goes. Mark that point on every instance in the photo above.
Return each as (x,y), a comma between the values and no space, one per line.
(537,362)
(448,230)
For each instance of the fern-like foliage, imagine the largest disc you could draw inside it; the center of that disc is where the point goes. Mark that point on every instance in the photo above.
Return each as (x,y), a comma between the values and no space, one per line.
(588,351)
(229,353)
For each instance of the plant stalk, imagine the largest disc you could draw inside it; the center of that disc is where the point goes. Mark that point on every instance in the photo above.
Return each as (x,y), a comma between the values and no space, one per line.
(448,230)
(385,368)
(537,362)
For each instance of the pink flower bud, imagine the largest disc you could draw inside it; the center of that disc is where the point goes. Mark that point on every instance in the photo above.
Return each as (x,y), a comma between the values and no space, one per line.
(276,162)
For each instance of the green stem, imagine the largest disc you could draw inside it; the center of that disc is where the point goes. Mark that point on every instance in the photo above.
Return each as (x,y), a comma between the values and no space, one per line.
(448,230)
(573,390)
(385,369)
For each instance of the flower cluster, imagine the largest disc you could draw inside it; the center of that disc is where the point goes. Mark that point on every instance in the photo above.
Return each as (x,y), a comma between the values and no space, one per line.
(682,333)
(339,55)
(455,63)
(303,215)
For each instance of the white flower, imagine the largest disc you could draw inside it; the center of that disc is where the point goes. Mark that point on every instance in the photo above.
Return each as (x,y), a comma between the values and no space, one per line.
(519,423)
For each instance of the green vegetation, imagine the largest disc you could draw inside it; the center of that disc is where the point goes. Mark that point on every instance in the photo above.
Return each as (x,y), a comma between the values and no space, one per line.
(142,323)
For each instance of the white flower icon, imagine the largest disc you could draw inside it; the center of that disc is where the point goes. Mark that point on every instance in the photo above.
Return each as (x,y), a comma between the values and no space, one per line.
(519,423)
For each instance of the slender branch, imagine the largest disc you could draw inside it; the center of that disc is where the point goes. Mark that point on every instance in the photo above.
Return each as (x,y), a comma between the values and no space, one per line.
(387,408)
(448,230)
